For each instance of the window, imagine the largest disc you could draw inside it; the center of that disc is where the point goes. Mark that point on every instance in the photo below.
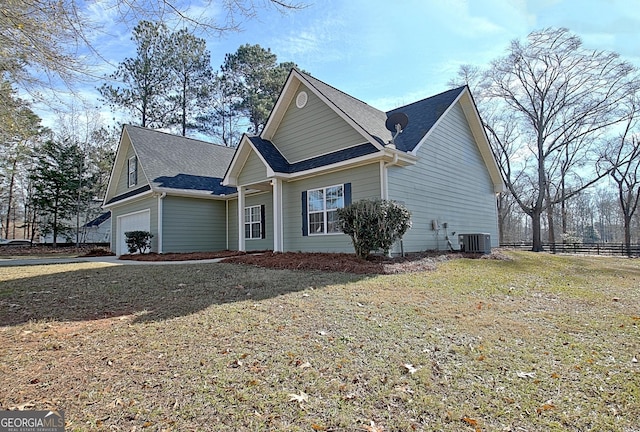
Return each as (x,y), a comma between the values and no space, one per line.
(133,171)
(253,219)
(322,209)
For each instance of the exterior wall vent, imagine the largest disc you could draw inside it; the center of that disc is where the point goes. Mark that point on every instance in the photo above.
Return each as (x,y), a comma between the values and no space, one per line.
(475,243)
(301,100)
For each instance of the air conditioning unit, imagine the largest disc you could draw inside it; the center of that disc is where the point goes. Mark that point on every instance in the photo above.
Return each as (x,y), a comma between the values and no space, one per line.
(475,243)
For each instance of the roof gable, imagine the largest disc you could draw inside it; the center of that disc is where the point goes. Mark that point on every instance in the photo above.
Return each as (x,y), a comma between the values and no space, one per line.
(171,162)
(423,115)
(366,120)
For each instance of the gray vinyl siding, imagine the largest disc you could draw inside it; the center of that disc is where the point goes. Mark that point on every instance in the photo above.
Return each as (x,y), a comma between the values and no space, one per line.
(122,186)
(450,183)
(151,204)
(263,198)
(253,171)
(365,183)
(193,225)
(313,130)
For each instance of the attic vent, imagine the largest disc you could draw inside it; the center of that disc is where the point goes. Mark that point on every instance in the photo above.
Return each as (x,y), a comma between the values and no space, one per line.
(301,100)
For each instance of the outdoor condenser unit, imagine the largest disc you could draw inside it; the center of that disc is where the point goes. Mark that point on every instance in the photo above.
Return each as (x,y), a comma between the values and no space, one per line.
(475,243)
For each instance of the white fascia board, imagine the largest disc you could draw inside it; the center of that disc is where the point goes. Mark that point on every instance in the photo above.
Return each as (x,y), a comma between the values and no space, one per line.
(186,193)
(286,97)
(129,199)
(387,156)
(239,159)
(480,134)
(282,103)
(112,177)
(231,176)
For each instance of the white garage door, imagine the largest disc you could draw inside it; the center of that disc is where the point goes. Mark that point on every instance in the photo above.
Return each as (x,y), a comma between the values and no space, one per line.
(138,221)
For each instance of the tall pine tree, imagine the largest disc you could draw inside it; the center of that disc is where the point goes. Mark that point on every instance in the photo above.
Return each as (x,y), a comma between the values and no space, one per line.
(57,179)
(190,67)
(144,82)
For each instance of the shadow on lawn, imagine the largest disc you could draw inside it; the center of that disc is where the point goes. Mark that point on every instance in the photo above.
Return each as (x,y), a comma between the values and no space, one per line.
(163,292)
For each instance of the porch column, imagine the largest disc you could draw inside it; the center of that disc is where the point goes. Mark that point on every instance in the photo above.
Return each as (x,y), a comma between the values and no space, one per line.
(277,215)
(241,246)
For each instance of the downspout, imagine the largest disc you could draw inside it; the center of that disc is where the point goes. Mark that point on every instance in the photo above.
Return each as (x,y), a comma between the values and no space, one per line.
(384,178)
(160,210)
(385,187)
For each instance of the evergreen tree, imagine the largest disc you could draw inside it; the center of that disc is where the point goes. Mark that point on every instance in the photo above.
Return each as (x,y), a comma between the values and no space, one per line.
(57,179)
(19,129)
(145,80)
(190,65)
(256,79)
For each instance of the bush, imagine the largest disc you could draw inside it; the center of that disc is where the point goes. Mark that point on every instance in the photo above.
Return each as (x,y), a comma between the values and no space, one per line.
(374,224)
(138,241)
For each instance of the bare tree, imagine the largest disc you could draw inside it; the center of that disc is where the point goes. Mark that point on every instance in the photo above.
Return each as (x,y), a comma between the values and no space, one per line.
(552,104)
(623,157)
(19,130)
(44,43)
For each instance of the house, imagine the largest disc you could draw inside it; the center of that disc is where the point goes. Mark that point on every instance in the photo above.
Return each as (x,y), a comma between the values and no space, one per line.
(320,150)
(97,230)
(170,186)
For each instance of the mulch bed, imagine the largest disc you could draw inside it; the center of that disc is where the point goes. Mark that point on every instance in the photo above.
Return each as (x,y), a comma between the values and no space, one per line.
(180,256)
(333,262)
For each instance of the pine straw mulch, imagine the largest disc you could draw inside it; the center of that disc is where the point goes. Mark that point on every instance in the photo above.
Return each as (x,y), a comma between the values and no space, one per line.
(333,262)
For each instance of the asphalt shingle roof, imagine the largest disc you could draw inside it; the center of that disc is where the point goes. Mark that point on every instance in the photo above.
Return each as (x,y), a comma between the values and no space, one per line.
(367,117)
(176,162)
(279,163)
(422,114)
(99,220)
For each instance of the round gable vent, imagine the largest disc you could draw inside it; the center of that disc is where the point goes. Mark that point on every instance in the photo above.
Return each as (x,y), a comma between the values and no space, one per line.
(301,100)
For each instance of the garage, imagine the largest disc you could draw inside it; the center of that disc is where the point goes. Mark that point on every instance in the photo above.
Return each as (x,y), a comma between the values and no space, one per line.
(138,221)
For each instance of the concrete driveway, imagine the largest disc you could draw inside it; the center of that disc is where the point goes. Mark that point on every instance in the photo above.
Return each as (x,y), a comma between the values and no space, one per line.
(7,262)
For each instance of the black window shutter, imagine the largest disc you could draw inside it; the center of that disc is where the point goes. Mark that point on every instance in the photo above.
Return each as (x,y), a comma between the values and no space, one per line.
(263,220)
(305,227)
(347,194)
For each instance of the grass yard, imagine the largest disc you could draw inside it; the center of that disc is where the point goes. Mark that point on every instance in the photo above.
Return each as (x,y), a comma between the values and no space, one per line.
(537,343)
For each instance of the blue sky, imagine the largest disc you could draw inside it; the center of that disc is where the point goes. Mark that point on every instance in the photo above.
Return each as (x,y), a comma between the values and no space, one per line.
(389,53)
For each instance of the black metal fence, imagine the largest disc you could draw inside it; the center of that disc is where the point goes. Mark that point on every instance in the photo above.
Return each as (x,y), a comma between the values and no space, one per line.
(582,248)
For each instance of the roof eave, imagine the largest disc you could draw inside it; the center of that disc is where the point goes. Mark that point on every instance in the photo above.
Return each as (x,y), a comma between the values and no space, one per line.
(388,155)
(188,193)
(145,194)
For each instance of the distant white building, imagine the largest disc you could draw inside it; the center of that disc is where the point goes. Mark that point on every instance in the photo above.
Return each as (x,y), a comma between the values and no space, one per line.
(97,230)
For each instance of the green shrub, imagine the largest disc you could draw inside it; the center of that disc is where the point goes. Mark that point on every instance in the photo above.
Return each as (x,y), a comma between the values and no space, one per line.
(138,241)
(374,224)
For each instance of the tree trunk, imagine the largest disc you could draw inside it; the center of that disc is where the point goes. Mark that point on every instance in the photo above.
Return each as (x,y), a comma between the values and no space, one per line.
(184,106)
(536,231)
(563,208)
(55,223)
(10,197)
(627,234)
(552,234)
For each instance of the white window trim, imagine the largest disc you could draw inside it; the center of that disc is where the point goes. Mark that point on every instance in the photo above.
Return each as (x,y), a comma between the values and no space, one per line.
(132,168)
(324,211)
(251,222)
